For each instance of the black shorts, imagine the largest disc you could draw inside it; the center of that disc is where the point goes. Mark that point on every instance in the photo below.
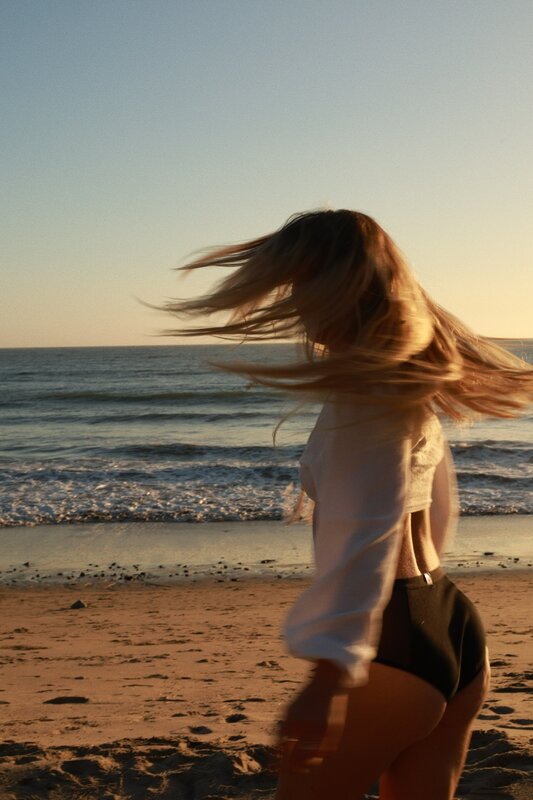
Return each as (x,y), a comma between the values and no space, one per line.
(432,630)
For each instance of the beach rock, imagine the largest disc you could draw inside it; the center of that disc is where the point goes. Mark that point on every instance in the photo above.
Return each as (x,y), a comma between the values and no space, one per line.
(79,604)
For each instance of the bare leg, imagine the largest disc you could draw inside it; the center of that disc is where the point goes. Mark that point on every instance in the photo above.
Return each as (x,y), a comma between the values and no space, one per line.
(432,767)
(385,717)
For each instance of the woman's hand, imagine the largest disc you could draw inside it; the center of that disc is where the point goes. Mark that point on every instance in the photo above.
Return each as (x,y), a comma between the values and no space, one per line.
(314,721)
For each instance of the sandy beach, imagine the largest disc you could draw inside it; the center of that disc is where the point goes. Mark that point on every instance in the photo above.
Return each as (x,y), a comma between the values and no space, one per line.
(173,690)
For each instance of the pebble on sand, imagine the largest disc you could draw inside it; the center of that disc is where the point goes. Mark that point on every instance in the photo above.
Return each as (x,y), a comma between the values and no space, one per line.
(62,699)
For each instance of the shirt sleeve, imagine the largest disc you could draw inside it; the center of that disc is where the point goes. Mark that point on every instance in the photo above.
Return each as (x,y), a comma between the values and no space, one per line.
(357,478)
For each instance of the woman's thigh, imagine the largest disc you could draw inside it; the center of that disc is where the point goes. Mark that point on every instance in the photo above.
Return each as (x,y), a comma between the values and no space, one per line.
(432,766)
(390,713)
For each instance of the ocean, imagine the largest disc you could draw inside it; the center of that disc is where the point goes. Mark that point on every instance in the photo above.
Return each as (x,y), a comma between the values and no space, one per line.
(156,434)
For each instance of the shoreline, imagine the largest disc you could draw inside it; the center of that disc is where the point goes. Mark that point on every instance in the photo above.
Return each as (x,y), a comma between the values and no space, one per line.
(186,552)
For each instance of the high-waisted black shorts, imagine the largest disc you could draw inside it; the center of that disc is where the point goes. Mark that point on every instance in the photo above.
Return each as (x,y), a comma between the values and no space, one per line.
(432,630)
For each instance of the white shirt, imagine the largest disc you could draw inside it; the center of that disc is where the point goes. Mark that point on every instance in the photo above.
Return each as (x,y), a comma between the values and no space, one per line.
(363,485)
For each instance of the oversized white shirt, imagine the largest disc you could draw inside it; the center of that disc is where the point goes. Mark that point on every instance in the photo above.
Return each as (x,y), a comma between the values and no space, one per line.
(363,484)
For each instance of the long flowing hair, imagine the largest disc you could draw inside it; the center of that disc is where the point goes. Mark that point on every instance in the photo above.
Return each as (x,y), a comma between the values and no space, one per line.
(336,282)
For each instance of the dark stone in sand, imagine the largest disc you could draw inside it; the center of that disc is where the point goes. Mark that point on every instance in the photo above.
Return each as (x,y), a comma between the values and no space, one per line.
(236,717)
(56,701)
(79,604)
(200,729)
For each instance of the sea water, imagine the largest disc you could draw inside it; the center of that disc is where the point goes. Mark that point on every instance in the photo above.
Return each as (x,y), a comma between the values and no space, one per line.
(113,434)
(118,437)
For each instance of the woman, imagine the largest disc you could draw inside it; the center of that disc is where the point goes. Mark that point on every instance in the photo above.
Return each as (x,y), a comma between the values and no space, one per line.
(399,668)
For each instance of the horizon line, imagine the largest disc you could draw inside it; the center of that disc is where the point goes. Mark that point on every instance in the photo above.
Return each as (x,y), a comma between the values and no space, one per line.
(203,344)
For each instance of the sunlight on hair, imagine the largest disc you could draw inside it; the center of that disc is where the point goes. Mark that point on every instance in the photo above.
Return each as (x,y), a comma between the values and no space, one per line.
(335,282)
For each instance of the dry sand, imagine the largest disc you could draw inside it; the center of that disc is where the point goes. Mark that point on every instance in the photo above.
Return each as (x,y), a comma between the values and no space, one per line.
(172,691)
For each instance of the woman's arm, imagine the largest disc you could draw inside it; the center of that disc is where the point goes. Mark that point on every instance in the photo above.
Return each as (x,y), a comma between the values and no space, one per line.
(359,480)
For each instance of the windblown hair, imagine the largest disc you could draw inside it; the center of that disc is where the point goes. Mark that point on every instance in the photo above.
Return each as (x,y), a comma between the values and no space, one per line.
(335,281)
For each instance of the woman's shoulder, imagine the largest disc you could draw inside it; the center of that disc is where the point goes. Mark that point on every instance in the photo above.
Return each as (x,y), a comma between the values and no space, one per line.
(356,428)
(367,420)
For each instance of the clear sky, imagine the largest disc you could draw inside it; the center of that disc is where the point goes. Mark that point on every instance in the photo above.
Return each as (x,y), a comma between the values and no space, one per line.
(137,131)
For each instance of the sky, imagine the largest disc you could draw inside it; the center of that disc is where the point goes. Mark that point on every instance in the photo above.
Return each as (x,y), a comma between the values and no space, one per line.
(135,132)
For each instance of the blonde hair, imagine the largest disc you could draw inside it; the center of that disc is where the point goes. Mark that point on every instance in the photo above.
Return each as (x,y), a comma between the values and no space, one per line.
(337,282)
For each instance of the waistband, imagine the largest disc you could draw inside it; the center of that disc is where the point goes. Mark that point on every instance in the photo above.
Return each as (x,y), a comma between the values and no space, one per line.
(426,579)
